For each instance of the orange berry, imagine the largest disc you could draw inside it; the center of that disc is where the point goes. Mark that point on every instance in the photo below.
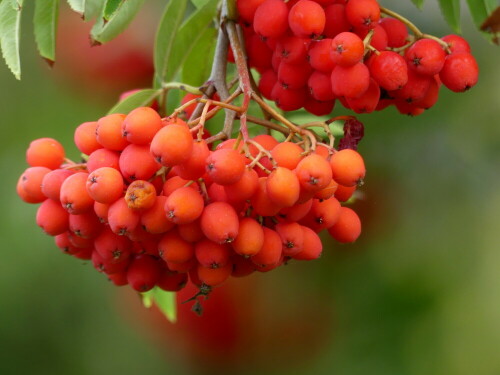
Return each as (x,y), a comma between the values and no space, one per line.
(103,158)
(137,163)
(86,225)
(265,140)
(184,205)
(172,281)
(344,193)
(140,195)
(270,253)
(52,217)
(323,214)
(105,185)
(174,249)
(348,167)
(219,222)
(74,196)
(85,137)
(250,237)
(214,276)
(327,192)
(111,247)
(287,154)
(154,219)
(52,181)
(297,212)
(211,255)
(109,132)
(283,187)
(191,232)
(292,237)
(312,247)
(121,218)
(261,202)
(172,145)
(225,166)
(143,273)
(348,226)
(31,182)
(244,188)
(24,195)
(217,193)
(101,210)
(45,152)
(314,173)
(194,167)
(141,125)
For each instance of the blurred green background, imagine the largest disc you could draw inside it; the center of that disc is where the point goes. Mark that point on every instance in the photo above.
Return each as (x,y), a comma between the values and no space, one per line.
(419,293)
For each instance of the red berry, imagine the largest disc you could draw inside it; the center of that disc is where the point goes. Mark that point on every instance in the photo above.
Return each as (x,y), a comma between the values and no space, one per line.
(460,72)
(307,19)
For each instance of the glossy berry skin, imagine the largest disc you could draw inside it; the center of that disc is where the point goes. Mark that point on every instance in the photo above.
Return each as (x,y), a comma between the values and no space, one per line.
(319,55)
(172,145)
(351,81)
(85,137)
(225,166)
(347,49)
(457,44)
(45,152)
(141,125)
(271,19)
(397,33)
(74,196)
(307,19)
(109,132)
(52,217)
(52,181)
(347,228)
(460,72)
(312,247)
(143,273)
(247,8)
(426,57)
(389,69)
(348,167)
(219,222)
(363,14)
(335,20)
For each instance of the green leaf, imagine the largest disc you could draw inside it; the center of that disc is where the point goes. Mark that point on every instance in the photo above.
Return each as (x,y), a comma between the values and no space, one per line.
(187,38)
(451,13)
(103,32)
(479,10)
(111,7)
(147,298)
(419,3)
(165,36)
(92,9)
(10,25)
(167,303)
(142,98)
(45,21)
(16,4)
(199,3)
(77,5)
(195,70)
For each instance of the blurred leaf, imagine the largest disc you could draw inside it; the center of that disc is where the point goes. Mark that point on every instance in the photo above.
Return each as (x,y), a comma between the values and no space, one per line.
(147,298)
(103,32)
(167,303)
(91,9)
(45,24)
(10,25)
(16,4)
(165,36)
(199,3)
(77,5)
(187,38)
(418,3)
(110,8)
(142,98)
(195,70)
(479,10)
(451,13)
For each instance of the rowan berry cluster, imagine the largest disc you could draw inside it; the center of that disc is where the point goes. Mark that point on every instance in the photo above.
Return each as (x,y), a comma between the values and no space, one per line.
(311,53)
(154,204)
